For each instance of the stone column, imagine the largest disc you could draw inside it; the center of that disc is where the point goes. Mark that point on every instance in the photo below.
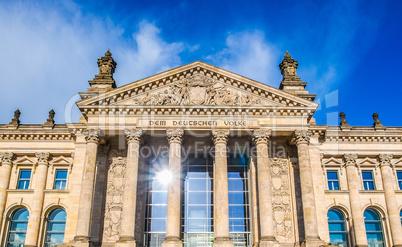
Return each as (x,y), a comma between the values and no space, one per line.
(87,189)
(173,225)
(388,180)
(130,189)
(260,139)
(221,196)
(302,140)
(5,172)
(354,198)
(37,202)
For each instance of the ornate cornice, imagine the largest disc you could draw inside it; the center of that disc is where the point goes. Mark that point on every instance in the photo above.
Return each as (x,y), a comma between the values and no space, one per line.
(350,159)
(175,135)
(43,158)
(92,135)
(385,159)
(220,136)
(301,137)
(261,136)
(6,158)
(133,135)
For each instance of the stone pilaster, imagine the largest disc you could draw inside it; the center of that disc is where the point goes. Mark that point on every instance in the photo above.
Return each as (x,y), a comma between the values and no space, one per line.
(221,196)
(301,139)
(5,172)
(354,198)
(37,202)
(260,139)
(173,226)
(130,189)
(390,198)
(87,188)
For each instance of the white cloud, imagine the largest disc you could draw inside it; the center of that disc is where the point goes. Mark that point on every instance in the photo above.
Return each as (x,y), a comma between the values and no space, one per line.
(49,52)
(250,54)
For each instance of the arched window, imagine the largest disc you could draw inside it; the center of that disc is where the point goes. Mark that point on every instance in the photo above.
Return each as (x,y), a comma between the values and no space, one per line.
(400,214)
(337,228)
(18,228)
(372,221)
(56,223)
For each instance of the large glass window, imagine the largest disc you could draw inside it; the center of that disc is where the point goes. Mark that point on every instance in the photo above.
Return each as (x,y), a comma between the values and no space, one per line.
(333,181)
(198,202)
(372,221)
(337,228)
(60,180)
(18,228)
(368,180)
(56,224)
(239,215)
(399,175)
(24,178)
(156,205)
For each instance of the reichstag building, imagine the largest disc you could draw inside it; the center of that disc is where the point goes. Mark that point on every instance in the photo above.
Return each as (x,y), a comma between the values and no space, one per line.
(198,156)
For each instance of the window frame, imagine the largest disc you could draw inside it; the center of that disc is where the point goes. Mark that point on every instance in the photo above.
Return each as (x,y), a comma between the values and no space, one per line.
(9,221)
(345,222)
(381,223)
(332,180)
(19,178)
(399,181)
(55,178)
(46,224)
(367,180)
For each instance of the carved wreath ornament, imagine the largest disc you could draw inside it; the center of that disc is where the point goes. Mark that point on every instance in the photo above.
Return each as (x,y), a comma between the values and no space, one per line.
(197,89)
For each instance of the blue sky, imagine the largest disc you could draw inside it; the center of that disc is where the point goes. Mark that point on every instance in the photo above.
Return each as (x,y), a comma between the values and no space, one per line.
(348,51)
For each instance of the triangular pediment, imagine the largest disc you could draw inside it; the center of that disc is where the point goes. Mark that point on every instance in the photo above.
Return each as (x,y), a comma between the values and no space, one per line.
(196,84)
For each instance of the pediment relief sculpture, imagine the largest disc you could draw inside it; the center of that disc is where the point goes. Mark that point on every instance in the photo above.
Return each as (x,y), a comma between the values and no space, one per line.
(198,89)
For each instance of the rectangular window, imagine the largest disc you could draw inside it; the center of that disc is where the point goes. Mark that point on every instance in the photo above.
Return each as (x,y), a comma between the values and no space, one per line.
(333,181)
(368,180)
(24,178)
(60,180)
(399,175)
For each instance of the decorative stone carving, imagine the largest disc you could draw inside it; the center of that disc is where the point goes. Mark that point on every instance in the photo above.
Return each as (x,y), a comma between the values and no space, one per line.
(288,68)
(104,80)
(343,123)
(377,122)
(385,159)
(281,193)
(92,135)
(114,199)
(301,137)
(6,158)
(220,136)
(50,120)
(261,136)
(350,159)
(198,89)
(16,119)
(43,158)
(133,135)
(175,135)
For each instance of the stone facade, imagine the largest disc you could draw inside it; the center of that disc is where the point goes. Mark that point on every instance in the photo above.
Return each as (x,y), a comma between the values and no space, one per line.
(193,110)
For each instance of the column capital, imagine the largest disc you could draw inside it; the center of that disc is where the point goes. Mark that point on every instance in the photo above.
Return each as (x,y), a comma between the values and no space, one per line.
(301,137)
(350,159)
(133,135)
(220,136)
(175,135)
(43,158)
(261,136)
(6,158)
(92,135)
(385,159)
